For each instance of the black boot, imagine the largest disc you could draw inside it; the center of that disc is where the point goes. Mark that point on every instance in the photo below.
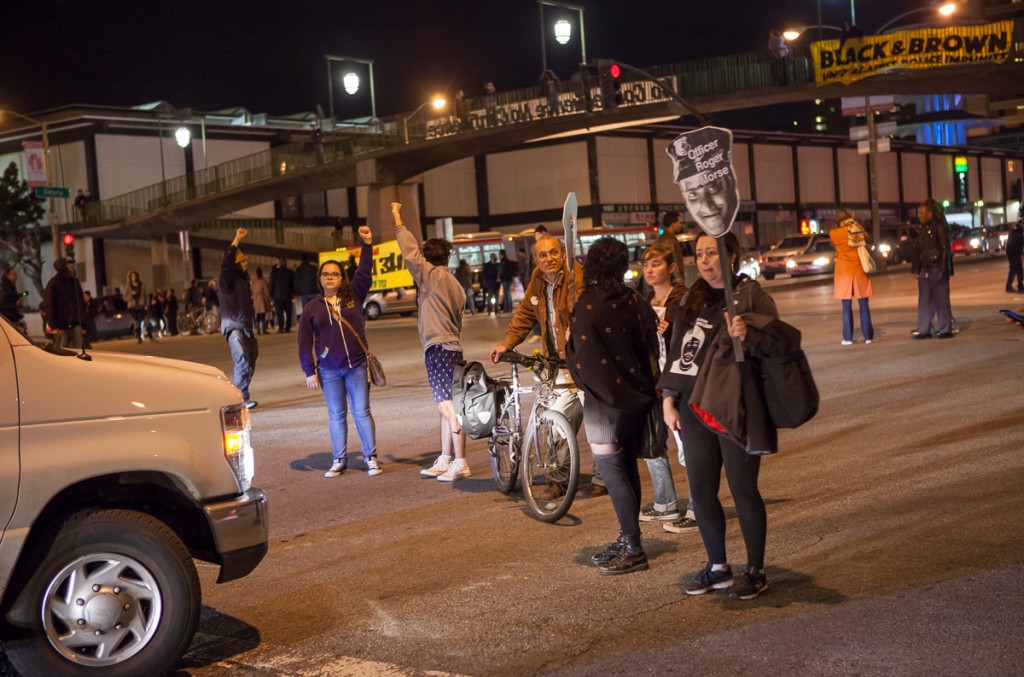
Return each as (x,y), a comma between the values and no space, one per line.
(632,558)
(605,557)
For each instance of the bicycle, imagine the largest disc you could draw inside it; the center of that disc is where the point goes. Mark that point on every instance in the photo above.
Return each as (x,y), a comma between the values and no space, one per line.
(198,320)
(546,452)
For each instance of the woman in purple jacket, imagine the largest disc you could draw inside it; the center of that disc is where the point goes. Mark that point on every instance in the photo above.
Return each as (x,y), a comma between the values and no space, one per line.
(331,340)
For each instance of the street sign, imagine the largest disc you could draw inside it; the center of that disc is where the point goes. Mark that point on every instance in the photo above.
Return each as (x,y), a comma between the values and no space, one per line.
(864,147)
(52,191)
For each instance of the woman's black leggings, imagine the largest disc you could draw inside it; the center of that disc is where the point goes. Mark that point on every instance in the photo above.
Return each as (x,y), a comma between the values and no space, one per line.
(706,452)
(621,476)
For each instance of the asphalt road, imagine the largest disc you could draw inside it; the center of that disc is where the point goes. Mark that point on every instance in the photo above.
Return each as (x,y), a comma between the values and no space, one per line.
(895,542)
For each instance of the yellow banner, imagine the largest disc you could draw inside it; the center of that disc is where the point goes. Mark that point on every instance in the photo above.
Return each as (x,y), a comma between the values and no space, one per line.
(388,266)
(861,58)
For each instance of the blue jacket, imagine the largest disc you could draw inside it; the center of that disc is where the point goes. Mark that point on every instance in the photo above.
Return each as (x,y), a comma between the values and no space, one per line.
(235,295)
(326,342)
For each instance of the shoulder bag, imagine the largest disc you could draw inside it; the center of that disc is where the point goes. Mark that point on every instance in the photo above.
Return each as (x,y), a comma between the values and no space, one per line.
(374,372)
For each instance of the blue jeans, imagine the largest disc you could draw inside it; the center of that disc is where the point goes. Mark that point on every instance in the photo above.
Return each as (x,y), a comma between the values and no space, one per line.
(664,486)
(244,352)
(342,387)
(866,328)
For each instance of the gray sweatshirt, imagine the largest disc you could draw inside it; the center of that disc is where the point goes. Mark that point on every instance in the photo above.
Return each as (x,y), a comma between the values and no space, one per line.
(440,297)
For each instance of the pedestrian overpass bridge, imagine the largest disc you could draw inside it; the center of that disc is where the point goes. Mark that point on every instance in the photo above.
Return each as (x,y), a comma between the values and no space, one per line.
(395,148)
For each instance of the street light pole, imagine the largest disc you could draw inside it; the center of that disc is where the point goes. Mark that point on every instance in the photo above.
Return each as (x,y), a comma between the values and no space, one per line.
(49,178)
(330,83)
(543,32)
(436,102)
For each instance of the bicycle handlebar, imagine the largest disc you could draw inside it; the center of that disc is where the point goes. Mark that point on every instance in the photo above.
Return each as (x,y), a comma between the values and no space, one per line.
(531,361)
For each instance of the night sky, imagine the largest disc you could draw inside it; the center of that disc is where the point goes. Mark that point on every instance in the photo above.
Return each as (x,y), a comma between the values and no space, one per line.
(268,57)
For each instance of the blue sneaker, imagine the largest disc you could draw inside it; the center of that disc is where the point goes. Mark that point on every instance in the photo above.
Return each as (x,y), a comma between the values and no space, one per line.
(751,584)
(707,580)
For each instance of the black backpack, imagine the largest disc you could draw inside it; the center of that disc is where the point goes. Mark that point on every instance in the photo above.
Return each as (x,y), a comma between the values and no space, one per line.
(475,396)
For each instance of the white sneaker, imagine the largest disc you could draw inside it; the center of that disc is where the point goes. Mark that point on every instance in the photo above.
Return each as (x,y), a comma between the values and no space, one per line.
(867,342)
(457,469)
(373,468)
(440,466)
(846,343)
(335,470)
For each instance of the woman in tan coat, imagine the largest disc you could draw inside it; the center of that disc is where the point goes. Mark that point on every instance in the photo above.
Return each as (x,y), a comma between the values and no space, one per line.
(851,282)
(260,301)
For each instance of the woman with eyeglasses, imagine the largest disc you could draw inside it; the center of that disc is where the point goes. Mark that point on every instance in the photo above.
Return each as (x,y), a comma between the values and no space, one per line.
(331,352)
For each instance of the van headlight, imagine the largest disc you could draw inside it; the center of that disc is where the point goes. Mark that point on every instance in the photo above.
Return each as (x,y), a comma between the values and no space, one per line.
(975,242)
(790,263)
(821,261)
(885,249)
(237,449)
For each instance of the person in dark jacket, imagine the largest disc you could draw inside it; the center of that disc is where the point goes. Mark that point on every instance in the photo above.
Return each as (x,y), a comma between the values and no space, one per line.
(10,299)
(171,312)
(137,302)
(282,289)
(1014,251)
(932,265)
(331,353)
(464,276)
(236,315)
(701,322)
(613,342)
(305,280)
(489,277)
(64,305)
(506,275)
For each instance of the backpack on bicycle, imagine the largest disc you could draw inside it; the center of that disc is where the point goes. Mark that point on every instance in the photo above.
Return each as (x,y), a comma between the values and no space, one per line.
(476,399)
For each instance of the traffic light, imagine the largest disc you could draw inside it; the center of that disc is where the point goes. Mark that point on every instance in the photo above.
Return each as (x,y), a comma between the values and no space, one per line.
(69,245)
(608,73)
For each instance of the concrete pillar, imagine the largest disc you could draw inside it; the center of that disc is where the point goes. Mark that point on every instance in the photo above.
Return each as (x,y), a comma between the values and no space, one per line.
(161,263)
(378,210)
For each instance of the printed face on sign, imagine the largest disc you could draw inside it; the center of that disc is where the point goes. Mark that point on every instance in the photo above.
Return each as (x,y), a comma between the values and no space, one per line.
(702,162)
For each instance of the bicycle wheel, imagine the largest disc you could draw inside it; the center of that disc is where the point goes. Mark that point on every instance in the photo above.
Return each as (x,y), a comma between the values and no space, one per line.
(504,448)
(551,456)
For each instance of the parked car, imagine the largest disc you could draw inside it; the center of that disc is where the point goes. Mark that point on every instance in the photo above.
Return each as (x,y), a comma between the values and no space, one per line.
(401,300)
(112,318)
(96,570)
(777,259)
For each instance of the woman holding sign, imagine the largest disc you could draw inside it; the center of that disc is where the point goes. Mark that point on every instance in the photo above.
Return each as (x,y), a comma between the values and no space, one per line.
(701,322)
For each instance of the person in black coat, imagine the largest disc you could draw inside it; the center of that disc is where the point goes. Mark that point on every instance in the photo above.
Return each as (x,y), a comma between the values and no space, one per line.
(10,296)
(489,281)
(305,281)
(613,343)
(1014,251)
(64,305)
(282,289)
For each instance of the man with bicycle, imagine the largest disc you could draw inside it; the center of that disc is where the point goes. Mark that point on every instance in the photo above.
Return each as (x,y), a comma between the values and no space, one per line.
(547,302)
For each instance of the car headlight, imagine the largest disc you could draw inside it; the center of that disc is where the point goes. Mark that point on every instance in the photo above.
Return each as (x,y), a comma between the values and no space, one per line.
(975,242)
(821,261)
(630,274)
(790,263)
(237,449)
(885,249)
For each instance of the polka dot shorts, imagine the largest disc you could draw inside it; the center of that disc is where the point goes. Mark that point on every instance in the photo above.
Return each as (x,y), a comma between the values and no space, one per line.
(440,364)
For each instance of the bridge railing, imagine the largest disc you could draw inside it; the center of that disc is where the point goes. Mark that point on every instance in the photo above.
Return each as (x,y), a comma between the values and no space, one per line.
(270,232)
(695,80)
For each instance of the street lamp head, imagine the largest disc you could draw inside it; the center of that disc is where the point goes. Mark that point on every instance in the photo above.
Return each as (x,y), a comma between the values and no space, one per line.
(351,82)
(794,33)
(791,34)
(947,8)
(182,136)
(439,102)
(563,31)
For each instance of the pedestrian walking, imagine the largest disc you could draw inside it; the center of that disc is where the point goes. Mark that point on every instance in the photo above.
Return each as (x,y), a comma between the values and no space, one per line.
(441,301)
(507,276)
(489,280)
(137,300)
(332,354)
(171,312)
(849,279)
(612,339)
(64,305)
(305,280)
(236,315)
(10,300)
(702,331)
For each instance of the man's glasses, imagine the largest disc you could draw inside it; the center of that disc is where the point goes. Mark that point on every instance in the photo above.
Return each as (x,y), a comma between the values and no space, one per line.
(543,256)
(330,276)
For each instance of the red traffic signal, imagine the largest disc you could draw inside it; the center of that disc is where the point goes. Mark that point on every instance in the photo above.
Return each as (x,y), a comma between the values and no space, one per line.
(615,71)
(69,239)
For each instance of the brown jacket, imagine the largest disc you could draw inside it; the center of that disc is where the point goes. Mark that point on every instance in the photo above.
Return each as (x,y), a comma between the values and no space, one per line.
(534,310)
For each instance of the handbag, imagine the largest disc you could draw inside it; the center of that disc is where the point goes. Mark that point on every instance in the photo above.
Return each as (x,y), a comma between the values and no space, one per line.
(655,435)
(374,370)
(866,262)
